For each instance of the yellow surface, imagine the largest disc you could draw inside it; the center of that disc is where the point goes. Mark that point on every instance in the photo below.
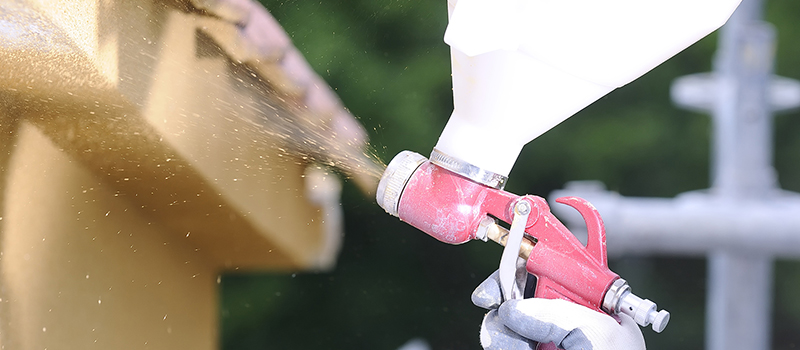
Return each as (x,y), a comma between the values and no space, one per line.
(185,149)
(86,269)
(134,171)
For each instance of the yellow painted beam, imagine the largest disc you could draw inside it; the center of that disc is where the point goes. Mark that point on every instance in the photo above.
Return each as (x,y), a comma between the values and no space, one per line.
(188,153)
(139,158)
(83,267)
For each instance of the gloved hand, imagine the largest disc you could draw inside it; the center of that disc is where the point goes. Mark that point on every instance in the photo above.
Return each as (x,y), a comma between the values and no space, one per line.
(518,323)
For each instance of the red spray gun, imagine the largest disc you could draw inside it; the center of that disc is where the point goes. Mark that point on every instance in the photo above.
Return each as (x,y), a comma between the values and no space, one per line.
(455,202)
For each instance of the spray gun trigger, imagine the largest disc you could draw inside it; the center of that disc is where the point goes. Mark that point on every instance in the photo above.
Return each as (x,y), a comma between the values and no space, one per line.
(508,261)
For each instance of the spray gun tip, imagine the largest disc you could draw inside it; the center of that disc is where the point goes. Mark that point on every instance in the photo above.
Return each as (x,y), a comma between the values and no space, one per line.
(394,179)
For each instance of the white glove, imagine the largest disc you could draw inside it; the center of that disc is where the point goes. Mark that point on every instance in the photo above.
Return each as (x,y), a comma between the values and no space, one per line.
(517,323)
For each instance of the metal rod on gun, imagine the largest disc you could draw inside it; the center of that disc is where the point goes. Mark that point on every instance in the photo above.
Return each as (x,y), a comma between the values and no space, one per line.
(499,235)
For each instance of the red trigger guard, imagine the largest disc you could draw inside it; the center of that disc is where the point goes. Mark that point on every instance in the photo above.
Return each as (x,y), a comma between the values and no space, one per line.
(564,267)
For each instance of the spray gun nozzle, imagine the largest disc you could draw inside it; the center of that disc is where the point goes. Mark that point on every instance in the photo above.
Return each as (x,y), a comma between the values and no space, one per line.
(395,178)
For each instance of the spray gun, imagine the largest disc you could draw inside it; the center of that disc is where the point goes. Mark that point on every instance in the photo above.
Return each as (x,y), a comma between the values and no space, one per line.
(519,68)
(455,202)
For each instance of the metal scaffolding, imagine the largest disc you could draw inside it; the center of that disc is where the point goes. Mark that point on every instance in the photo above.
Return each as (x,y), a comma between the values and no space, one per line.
(744,220)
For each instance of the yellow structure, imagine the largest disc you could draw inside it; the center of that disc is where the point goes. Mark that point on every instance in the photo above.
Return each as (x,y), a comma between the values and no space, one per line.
(147,147)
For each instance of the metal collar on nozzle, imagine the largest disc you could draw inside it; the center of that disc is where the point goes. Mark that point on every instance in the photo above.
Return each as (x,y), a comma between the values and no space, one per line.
(472,172)
(394,179)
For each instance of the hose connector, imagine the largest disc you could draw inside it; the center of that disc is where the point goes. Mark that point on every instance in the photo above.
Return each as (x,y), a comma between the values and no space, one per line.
(619,299)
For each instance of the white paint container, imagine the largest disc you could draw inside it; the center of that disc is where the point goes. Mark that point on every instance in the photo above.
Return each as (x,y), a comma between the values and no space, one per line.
(520,67)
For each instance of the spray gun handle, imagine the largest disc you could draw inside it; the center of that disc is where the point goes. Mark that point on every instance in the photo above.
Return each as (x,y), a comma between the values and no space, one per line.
(617,297)
(565,268)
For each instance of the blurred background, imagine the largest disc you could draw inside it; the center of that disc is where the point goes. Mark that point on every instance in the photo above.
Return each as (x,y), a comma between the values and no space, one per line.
(388,63)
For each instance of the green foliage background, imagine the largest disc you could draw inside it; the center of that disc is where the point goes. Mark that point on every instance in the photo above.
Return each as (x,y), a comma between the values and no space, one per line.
(387,62)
